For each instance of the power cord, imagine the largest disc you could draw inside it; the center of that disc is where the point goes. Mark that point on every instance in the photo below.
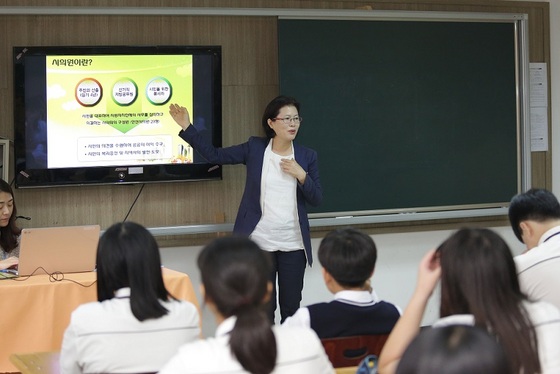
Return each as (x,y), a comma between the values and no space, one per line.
(134,202)
(55,276)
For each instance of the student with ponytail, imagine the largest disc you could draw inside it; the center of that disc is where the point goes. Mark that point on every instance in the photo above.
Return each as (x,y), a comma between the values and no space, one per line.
(236,288)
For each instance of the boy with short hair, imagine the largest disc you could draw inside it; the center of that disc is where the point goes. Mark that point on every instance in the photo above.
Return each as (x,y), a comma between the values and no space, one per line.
(348,258)
(535,219)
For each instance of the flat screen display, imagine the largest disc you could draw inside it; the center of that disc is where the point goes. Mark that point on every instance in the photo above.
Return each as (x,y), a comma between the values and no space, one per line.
(99,115)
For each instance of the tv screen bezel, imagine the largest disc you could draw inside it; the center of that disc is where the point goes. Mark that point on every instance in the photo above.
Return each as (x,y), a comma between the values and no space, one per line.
(122,174)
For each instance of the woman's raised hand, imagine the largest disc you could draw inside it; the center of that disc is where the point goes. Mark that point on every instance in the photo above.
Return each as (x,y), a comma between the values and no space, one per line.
(181,115)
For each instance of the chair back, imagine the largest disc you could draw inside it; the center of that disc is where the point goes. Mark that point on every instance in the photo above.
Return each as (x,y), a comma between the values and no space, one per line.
(350,350)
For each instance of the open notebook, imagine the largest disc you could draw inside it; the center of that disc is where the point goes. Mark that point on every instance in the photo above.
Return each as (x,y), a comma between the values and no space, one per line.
(67,249)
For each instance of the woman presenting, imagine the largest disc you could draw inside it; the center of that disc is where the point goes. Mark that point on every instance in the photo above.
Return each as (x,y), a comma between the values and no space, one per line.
(282,177)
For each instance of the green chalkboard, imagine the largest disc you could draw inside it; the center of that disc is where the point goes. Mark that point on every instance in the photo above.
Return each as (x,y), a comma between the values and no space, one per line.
(406,114)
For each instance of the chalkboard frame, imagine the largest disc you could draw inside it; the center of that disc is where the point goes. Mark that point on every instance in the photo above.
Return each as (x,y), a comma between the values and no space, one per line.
(523,161)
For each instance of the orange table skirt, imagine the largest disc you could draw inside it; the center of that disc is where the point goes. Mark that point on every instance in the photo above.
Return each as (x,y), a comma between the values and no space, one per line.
(36,310)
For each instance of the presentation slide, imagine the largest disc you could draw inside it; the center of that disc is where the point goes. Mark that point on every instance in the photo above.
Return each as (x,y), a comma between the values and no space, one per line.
(113,110)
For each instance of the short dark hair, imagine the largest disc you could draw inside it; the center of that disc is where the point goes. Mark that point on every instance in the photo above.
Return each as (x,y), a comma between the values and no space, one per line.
(128,256)
(10,233)
(272,110)
(349,255)
(537,204)
(235,273)
(454,349)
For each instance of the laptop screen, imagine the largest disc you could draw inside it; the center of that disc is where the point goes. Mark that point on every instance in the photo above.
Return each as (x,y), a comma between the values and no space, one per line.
(67,249)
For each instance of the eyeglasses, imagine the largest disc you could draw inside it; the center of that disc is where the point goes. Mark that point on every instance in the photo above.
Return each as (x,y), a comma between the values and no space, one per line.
(288,120)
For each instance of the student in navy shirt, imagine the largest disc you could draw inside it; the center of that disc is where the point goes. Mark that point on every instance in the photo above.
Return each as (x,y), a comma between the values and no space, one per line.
(348,258)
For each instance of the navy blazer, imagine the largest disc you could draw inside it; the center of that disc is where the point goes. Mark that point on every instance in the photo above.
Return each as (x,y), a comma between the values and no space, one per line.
(251,154)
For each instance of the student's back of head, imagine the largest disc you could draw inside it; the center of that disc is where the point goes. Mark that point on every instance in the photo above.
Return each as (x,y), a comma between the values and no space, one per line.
(349,256)
(537,204)
(128,256)
(235,275)
(454,349)
(135,327)
(478,277)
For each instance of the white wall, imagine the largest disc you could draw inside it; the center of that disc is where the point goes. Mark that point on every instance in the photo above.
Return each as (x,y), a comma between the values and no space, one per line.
(394,278)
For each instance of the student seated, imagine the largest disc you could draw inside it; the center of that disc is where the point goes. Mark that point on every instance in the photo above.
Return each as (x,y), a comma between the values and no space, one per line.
(454,349)
(535,219)
(479,287)
(236,288)
(136,325)
(9,232)
(348,259)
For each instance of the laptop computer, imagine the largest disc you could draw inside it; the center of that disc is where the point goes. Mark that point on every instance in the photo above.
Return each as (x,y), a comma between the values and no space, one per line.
(66,249)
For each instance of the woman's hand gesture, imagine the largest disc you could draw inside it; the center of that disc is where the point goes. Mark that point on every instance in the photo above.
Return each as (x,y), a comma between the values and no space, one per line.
(181,115)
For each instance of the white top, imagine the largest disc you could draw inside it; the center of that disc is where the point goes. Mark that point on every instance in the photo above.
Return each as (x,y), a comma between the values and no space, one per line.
(14,253)
(546,320)
(5,255)
(359,298)
(299,352)
(278,228)
(105,337)
(539,269)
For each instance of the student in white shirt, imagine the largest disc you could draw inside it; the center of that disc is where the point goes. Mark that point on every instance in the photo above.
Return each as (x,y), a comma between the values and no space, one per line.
(136,325)
(236,288)
(535,219)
